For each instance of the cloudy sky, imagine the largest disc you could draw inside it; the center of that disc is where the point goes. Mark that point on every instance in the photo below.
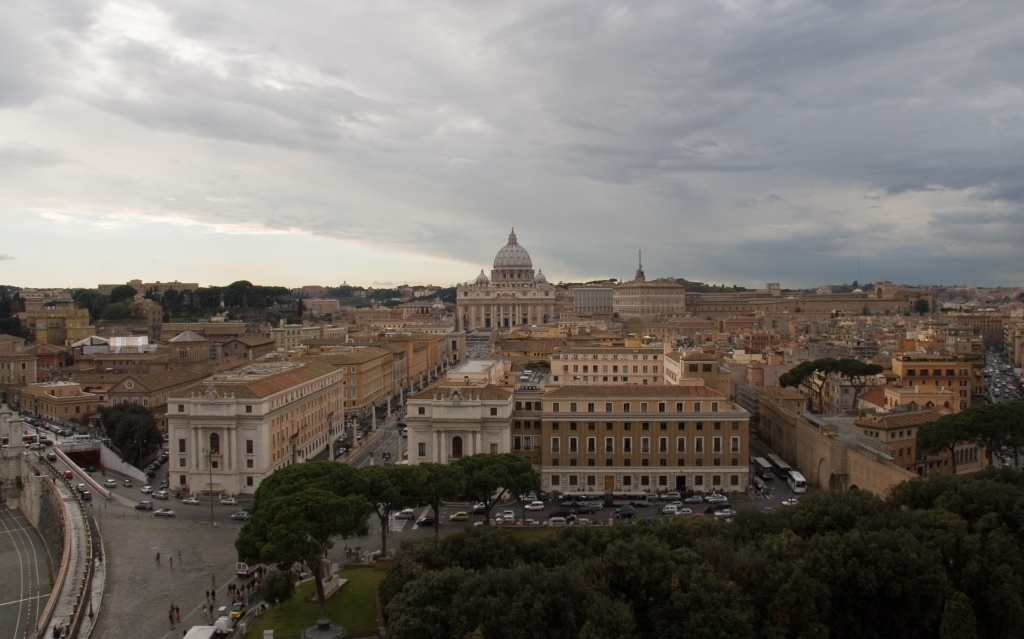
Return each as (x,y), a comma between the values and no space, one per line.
(322,141)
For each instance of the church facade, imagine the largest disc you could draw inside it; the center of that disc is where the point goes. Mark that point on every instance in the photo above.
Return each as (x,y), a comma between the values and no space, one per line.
(514,295)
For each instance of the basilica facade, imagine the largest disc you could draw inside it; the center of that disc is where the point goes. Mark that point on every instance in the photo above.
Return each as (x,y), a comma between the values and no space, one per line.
(514,295)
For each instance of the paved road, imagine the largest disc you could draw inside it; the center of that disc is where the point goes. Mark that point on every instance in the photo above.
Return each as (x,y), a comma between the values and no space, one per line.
(24,564)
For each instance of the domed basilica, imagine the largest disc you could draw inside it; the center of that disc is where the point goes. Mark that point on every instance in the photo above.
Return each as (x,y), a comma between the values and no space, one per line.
(513,296)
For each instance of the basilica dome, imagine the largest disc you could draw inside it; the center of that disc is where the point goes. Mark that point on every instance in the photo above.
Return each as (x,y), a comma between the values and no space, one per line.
(482,279)
(512,256)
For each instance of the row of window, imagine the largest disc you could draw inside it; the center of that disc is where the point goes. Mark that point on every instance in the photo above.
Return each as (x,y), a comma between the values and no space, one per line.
(614,356)
(626,407)
(625,445)
(625,426)
(645,462)
(604,369)
(214,441)
(644,480)
(937,372)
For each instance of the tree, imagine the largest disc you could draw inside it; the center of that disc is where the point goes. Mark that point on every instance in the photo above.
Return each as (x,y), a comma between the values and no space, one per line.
(437,483)
(278,587)
(123,293)
(814,374)
(490,477)
(944,435)
(296,512)
(958,620)
(921,306)
(389,488)
(132,430)
(859,374)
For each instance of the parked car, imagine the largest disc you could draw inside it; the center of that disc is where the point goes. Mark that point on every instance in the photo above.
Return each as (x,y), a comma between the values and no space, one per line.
(146,489)
(590,508)
(792,501)
(51,457)
(110,483)
(459,516)
(161,494)
(683,511)
(238,610)
(163,512)
(563,513)
(128,483)
(535,505)
(81,488)
(144,505)
(229,501)
(86,495)
(191,501)
(242,515)
(716,498)
(406,513)
(426,522)
(694,499)
(556,521)
(670,509)
(671,496)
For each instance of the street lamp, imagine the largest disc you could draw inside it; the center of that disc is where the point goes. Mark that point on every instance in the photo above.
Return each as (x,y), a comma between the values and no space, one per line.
(209,466)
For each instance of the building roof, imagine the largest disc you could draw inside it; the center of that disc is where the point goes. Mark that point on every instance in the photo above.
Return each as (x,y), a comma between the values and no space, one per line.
(160,381)
(259,387)
(187,336)
(638,391)
(902,419)
(355,356)
(488,392)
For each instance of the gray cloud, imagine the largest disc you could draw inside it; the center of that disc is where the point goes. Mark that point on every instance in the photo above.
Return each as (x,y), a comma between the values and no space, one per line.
(729,141)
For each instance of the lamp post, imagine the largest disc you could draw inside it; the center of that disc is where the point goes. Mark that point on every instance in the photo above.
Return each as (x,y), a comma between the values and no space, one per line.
(209,466)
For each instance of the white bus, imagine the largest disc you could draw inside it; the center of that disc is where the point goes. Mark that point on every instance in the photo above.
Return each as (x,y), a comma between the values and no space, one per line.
(796,482)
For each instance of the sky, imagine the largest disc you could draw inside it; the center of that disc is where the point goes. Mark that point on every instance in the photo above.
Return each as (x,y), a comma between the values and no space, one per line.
(382,143)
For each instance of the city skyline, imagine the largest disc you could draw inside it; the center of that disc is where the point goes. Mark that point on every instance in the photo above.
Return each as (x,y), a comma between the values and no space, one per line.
(367,143)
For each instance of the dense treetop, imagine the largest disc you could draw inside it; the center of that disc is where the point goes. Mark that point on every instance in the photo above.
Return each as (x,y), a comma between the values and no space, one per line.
(838,565)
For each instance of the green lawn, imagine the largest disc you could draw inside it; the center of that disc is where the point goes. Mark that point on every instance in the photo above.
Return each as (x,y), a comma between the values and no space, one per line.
(353,608)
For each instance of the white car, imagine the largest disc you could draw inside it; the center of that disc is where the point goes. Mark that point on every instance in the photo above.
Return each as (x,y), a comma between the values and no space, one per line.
(191,501)
(683,511)
(229,501)
(792,501)
(406,513)
(535,505)
(110,483)
(147,489)
(715,498)
(670,509)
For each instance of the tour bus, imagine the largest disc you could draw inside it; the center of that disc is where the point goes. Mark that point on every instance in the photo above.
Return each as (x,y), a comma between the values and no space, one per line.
(796,481)
(82,438)
(781,468)
(763,468)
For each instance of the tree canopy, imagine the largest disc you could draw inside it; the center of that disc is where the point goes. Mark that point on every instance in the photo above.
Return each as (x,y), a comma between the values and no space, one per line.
(297,512)
(940,555)
(815,375)
(132,430)
(489,478)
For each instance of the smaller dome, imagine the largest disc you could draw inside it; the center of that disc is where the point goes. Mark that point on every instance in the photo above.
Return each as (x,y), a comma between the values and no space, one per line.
(482,279)
(438,306)
(540,279)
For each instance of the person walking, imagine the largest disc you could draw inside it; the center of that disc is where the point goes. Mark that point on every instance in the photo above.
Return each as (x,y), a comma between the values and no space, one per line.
(158,559)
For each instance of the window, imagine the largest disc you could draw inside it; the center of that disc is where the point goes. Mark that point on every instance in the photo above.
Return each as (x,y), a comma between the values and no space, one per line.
(181,445)
(645,444)
(493,449)
(573,448)
(591,480)
(734,444)
(181,408)
(696,407)
(554,426)
(680,444)
(714,407)
(661,407)
(716,444)
(608,407)
(698,444)
(663,444)
(421,449)
(248,481)
(248,408)
(700,426)
(556,480)
(214,443)
(555,445)
(181,462)
(249,463)
(609,445)
(718,425)
(627,445)
(698,480)
(422,410)
(572,407)
(554,407)
(643,407)
(625,407)
(494,411)
(591,444)
(590,407)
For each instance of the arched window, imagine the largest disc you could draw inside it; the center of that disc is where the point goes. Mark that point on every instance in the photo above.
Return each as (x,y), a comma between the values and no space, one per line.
(214,443)
(457,447)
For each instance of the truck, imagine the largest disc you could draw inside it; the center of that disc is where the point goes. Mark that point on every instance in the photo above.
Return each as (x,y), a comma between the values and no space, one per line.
(201,632)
